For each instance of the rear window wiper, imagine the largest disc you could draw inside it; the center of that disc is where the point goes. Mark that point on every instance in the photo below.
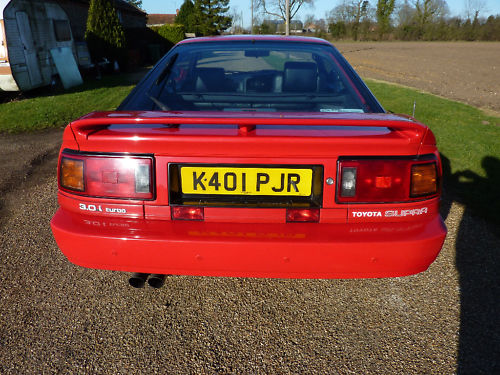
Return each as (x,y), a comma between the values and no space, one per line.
(159,104)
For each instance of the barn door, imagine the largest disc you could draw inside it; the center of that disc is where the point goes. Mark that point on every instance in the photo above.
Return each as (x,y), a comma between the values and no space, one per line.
(23,24)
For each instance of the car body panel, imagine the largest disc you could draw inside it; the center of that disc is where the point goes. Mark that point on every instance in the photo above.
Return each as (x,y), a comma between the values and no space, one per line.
(284,250)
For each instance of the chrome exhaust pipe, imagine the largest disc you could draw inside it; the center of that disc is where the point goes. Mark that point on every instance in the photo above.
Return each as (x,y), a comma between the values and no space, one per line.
(156,280)
(138,280)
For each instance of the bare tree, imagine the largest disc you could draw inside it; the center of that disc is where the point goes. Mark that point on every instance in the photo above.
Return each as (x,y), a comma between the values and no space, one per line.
(276,8)
(350,12)
(429,10)
(344,12)
(405,13)
(237,24)
(473,8)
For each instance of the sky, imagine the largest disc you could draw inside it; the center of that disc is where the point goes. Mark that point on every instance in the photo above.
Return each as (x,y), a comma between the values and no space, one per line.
(321,7)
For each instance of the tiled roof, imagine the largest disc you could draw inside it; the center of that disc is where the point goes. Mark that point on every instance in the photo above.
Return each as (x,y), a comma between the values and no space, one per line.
(160,19)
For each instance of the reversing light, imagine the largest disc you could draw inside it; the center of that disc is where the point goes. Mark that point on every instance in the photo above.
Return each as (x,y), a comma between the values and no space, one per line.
(302,215)
(348,182)
(72,174)
(188,213)
(423,179)
(142,178)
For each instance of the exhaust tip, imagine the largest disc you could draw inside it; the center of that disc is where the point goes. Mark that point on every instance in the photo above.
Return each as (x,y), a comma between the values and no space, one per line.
(156,280)
(138,280)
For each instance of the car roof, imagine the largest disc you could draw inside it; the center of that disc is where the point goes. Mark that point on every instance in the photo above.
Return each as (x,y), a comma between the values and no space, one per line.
(266,38)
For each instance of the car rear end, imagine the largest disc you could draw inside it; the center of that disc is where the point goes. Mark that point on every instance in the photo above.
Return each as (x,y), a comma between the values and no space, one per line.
(250,195)
(250,156)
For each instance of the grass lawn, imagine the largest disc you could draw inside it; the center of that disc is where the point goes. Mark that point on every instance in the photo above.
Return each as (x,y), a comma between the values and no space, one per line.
(49,108)
(468,139)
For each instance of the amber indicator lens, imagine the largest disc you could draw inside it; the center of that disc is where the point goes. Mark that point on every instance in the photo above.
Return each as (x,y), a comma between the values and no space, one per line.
(72,174)
(423,179)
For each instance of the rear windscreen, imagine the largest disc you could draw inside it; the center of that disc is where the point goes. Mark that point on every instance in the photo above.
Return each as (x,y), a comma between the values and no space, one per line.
(245,76)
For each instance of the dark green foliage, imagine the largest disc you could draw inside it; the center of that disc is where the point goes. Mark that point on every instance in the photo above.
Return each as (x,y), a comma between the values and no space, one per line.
(267,28)
(172,33)
(187,16)
(210,16)
(338,30)
(145,45)
(104,35)
(384,11)
(204,17)
(490,30)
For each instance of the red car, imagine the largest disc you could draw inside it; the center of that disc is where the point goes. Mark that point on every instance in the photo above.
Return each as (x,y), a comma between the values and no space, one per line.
(250,157)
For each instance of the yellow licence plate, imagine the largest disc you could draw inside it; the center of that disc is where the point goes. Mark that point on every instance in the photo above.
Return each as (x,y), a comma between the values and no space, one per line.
(246,181)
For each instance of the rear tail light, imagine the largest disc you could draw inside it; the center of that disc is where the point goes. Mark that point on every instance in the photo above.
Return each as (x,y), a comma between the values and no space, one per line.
(107,176)
(188,213)
(386,180)
(302,215)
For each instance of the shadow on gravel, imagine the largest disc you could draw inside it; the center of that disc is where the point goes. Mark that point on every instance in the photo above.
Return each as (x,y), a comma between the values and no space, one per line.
(478,264)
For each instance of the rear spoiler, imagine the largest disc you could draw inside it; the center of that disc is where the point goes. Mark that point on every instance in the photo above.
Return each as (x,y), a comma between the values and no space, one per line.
(246,121)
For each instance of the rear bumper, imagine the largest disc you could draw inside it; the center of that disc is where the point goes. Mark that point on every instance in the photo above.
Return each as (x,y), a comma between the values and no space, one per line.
(293,250)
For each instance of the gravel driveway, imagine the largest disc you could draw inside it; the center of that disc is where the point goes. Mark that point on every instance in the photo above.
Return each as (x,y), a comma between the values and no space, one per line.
(60,318)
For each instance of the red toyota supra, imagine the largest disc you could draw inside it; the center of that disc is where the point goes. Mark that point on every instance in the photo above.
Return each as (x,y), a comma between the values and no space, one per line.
(250,157)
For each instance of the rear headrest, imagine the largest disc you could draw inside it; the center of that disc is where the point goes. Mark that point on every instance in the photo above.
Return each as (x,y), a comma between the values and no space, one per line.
(210,79)
(300,76)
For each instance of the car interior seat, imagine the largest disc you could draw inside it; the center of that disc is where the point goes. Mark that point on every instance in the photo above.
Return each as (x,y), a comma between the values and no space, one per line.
(300,76)
(210,79)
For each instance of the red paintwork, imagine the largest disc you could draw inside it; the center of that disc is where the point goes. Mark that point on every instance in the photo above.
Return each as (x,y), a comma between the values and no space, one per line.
(347,242)
(297,250)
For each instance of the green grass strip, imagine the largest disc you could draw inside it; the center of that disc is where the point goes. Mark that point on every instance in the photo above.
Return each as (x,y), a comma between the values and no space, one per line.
(50,108)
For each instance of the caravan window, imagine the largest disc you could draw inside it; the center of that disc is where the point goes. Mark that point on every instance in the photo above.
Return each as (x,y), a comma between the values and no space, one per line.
(62,30)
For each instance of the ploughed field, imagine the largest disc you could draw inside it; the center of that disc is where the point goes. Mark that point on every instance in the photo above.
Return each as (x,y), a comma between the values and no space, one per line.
(465,71)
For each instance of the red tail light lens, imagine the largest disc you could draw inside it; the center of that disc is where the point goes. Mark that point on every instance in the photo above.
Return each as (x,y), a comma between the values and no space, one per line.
(387,180)
(302,215)
(107,176)
(188,213)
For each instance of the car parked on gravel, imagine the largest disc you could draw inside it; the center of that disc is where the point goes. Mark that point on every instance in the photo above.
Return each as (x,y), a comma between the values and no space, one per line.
(250,156)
